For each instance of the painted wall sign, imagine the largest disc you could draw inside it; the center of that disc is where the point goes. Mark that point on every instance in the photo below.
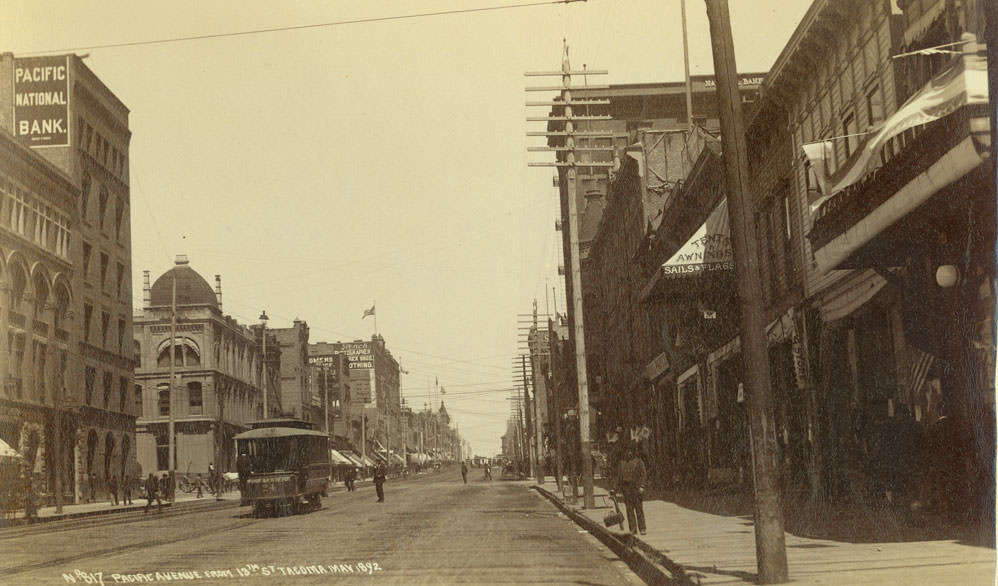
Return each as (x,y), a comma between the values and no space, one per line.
(41,101)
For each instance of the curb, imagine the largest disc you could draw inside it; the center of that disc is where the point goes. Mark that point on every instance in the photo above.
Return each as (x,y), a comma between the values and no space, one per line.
(21,523)
(647,562)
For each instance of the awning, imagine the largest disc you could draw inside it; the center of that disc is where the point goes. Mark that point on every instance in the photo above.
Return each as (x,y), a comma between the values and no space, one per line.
(368,462)
(8,452)
(704,258)
(339,459)
(355,458)
(952,166)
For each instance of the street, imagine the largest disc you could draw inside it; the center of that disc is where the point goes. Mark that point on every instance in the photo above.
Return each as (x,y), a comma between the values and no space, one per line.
(432,529)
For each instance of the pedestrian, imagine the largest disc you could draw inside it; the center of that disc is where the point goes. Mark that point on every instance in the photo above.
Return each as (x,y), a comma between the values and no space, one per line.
(93,487)
(243,469)
(112,487)
(632,484)
(200,485)
(164,486)
(152,492)
(464,472)
(126,490)
(351,479)
(30,497)
(212,477)
(379,483)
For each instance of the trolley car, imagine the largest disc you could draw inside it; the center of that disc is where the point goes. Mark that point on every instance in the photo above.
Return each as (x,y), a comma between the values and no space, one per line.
(289,466)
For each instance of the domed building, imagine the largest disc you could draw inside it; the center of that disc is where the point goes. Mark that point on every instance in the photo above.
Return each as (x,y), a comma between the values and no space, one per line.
(217,373)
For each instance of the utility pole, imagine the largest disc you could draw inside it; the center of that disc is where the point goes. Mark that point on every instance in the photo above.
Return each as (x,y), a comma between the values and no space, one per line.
(220,438)
(771,552)
(263,364)
(568,173)
(325,400)
(171,451)
(531,449)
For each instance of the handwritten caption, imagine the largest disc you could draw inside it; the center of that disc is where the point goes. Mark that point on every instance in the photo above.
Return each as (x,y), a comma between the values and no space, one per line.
(247,571)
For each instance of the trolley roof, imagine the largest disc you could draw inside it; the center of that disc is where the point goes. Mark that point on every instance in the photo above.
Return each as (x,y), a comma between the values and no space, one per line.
(276,432)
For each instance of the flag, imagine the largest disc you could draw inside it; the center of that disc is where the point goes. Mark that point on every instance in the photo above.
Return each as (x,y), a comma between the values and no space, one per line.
(368,312)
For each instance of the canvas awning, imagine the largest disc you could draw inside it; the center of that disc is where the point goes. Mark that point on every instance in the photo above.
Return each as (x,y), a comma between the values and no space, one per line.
(339,459)
(706,257)
(8,452)
(355,458)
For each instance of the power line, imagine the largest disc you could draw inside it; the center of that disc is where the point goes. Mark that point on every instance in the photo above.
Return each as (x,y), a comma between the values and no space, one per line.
(299,27)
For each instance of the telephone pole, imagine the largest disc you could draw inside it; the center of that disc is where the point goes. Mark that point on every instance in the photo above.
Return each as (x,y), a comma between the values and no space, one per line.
(770,544)
(568,166)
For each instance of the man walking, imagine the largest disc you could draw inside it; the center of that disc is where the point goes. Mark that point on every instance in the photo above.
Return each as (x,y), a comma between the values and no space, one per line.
(152,492)
(379,483)
(464,472)
(632,483)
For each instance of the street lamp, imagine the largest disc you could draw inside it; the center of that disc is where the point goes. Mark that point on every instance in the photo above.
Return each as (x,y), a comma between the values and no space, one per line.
(263,365)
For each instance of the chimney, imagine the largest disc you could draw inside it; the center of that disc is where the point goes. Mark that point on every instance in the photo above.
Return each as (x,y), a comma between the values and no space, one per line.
(218,290)
(146,291)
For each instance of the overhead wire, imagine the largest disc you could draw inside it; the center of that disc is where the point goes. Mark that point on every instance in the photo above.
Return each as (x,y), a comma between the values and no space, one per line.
(372,19)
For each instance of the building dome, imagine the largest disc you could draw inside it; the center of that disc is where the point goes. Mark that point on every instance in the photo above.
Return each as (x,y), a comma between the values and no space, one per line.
(192,289)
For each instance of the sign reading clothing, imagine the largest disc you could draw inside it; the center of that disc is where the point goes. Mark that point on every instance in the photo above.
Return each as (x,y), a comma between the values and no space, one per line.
(41,101)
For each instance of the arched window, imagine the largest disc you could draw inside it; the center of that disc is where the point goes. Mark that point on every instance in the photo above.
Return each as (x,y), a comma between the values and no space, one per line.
(126,447)
(85,197)
(186,353)
(41,296)
(102,208)
(61,307)
(137,349)
(109,445)
(18,282)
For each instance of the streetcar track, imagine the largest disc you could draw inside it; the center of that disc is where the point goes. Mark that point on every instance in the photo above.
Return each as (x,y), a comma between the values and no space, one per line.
(93,554)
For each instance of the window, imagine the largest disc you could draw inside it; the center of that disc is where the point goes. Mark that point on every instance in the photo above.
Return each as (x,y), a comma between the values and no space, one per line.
(138,400)
(85,197)
(163,452)
(164,398)
(18,211)
(108,383)
(89,382)
(104,260)
(123,392)
(62,236)
(89,141)
(88,313)
(121,336)
(105,324)
(118,280)
(102,208)
(87,249)
(15,344)
(119,212)
(40,378)
(194,398)
(850,134)
(874,106)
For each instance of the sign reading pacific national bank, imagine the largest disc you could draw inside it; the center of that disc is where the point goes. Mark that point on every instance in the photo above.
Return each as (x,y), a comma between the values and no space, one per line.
(41,101)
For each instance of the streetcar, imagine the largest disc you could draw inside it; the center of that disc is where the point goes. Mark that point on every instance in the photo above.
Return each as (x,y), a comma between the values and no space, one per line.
(288,466)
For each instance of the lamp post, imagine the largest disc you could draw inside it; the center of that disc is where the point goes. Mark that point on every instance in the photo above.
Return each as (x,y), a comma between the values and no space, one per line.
(263,364)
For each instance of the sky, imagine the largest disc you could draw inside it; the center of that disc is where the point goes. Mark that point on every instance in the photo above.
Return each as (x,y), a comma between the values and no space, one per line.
(326,169)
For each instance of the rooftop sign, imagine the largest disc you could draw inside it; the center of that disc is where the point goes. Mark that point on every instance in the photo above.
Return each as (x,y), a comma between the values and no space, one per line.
(41,101)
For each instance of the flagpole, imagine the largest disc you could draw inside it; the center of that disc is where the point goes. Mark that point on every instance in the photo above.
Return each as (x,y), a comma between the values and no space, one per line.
(375,306)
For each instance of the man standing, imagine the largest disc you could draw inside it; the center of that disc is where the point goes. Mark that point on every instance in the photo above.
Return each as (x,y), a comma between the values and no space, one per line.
(93,486)
(632,484)
(113,489)
(152,492)
(379,483)
(243,469)
(464,472)
(126,490)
